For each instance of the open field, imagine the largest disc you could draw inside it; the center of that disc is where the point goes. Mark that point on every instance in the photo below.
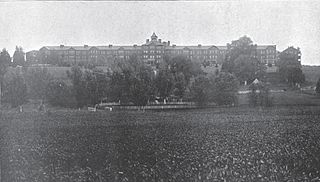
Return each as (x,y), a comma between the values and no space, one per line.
(287,98)
(232,144)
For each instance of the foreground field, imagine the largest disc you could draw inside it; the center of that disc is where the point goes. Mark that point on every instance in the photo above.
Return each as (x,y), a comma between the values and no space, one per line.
(231,144)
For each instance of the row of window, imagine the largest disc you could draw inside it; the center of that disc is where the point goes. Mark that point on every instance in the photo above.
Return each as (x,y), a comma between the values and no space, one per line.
(153,51)
(135,51)
(269,57)
(268,51)
(127,57)
(197,52)
(152,56)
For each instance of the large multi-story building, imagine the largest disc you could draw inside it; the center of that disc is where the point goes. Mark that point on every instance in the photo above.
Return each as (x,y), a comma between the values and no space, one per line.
(152,51)
(293,51)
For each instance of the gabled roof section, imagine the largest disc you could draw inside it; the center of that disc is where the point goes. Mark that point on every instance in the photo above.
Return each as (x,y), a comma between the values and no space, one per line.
(290,48)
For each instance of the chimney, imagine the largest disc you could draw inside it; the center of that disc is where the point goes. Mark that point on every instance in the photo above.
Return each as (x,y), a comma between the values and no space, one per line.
(168,43)
(147,41)
(134,45)
(85,46)
(61,46)
(199,45)
(159,40)
(110,45)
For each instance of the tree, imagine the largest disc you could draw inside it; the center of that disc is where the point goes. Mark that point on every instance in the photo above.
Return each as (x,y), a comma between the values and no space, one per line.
(164,82)
(220,89)
(18,58)
(89,86)
(180,85)
(174,76)
(201,89)
(78,85)
(248,68)
(38,80)
(241,60)
(290,69)
(132,81)
(96,84)
(295,75)
(16,90)
(318,87)
(102,80)
(224,88)
(5,62)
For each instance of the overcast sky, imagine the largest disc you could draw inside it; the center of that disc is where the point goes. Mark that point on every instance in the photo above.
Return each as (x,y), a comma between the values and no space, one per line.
(284,23)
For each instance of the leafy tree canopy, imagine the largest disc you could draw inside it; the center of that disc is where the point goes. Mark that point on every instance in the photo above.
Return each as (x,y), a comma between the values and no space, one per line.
(132,81)
(5,62)
(241,60)
(18,58)
(174,76)
(290,68)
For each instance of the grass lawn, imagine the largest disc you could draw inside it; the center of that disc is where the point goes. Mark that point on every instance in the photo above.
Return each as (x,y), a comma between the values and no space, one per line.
(232,144)
(286,98)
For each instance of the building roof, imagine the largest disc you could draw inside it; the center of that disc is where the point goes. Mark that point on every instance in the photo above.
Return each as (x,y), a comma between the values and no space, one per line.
(32,51)
(62,48)
(197,47)
(118,47)
(291,48)
(136,47)
(265,46)
(83,48)
(156,43)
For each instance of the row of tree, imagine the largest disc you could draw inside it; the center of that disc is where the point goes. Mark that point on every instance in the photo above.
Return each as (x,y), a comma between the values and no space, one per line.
(128,82)
(133,81)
